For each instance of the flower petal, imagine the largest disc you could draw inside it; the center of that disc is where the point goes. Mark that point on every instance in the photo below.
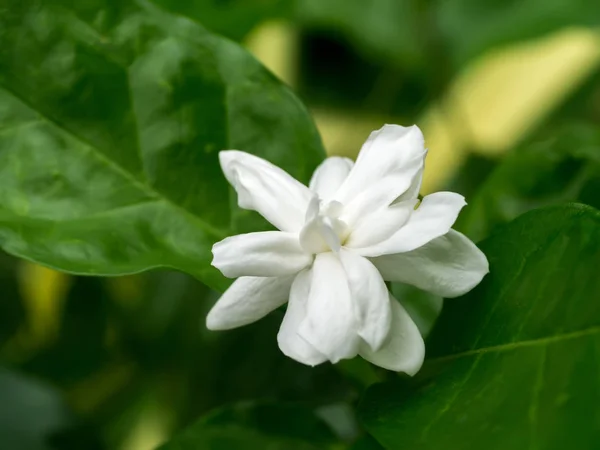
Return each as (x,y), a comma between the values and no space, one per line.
(450,265)
(267,189)
(387,164)
(290,342)
(370,298)
(405,350)
(433,218)
(247,300)
(262,254)
(380,225)
(412,193)
(329,176)
(330,324)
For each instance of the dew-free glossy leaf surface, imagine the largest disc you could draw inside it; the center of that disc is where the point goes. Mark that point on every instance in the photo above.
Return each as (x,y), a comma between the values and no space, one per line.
(516,362)
(111,118)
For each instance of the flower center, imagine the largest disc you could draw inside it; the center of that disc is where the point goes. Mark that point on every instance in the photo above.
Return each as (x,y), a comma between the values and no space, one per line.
(323,229)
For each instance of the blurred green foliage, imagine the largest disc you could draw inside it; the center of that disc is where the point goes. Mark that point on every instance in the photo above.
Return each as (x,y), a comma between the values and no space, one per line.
(91,91)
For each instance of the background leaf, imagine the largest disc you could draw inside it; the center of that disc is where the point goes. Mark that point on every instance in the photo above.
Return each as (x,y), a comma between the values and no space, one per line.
(33,416)
(231,18)
(259,426)
(112,120)
(513,364)
(558,168)
(470,27)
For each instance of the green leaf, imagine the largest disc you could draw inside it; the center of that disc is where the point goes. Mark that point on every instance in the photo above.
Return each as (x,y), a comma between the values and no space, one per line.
(258,426)
(275,419)
(366,443)
(111,119)
(553,170)
(514,363)
(33,416)
(231,438)
(470,26)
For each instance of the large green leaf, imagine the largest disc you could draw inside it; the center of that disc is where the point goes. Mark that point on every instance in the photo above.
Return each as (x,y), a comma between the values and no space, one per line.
(513,364)
(111,118)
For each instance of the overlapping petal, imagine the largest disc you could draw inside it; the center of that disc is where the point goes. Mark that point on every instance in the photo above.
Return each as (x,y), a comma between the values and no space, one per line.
(412,193)
(330,324)
(369,297)
(262,254)
(329,176)
(267,189)
(450,265)
(290,342)
(433,218)
(247,300)
(381,224)
(388,163)
(404,351)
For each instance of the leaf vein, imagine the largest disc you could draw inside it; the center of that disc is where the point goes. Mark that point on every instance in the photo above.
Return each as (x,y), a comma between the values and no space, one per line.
(148,190)
(515,345)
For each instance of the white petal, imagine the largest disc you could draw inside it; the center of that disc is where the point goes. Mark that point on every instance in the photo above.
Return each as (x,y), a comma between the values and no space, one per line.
(450,265)
(267,189)
(290,342)
(380,225)
(387,164)
(412,193)
(370,298)
(317,237)
(405,350)
(247,300)
(328,177)
(262,254)
(330,324)
(433,218)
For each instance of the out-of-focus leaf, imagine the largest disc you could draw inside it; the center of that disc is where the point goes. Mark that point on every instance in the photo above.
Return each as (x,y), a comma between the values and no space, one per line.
(366,443)
(543,173)
(231,18)
(231,438)
(275,419)
(79,349)
(111,119)
(33,416)
(513,364)
(470,27)
(12,311)
(385,30)
(260,426)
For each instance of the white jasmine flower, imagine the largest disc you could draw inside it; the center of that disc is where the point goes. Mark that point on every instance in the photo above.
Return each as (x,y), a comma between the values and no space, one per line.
(355,226)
